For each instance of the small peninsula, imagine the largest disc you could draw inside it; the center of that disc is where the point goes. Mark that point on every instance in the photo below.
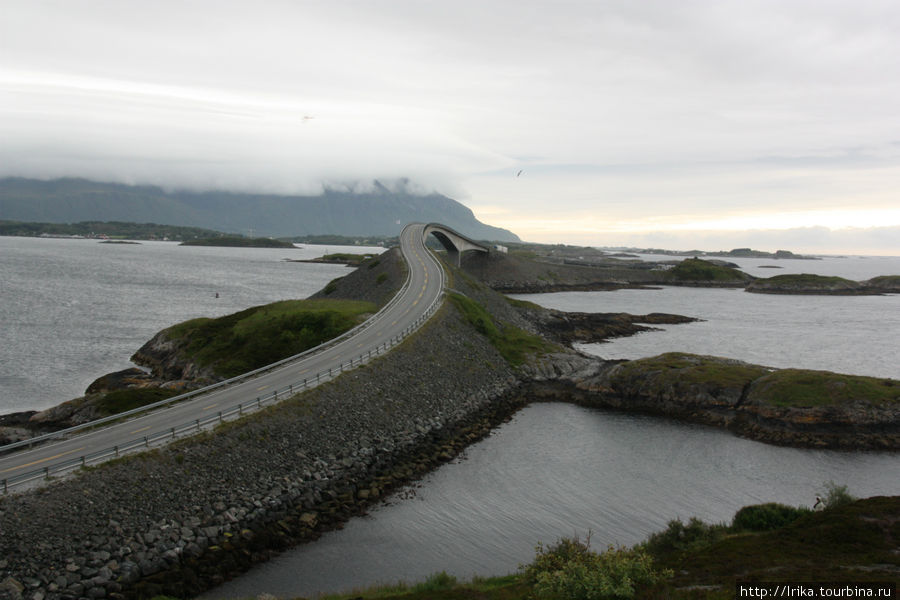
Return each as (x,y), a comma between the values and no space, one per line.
(232,241)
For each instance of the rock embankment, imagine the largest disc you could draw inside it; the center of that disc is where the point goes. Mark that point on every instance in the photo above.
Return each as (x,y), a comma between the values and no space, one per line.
(183,517)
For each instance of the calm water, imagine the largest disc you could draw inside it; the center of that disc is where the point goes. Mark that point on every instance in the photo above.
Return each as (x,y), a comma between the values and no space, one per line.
(557,470)
(73,310)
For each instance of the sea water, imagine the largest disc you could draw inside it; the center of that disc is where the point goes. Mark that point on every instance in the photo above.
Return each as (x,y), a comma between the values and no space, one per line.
(72,310)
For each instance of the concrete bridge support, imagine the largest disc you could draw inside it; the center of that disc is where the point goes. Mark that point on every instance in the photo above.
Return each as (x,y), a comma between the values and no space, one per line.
(454,242)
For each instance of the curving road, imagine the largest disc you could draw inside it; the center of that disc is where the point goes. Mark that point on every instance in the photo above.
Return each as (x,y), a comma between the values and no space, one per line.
(425,285)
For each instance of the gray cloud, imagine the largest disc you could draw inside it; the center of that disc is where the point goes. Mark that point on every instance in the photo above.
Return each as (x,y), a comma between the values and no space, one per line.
(679,109)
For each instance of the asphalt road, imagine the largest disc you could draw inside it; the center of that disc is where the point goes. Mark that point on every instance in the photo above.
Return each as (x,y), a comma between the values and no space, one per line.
(425,285)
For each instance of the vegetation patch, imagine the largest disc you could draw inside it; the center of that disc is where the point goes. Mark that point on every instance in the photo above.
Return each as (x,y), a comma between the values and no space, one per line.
(697,269)
(261,335)
(886,279)
(444,587)
(805,283)
(118,401)
(678,368)
(523,304)
(513,343)
(110,229)
(766,517)
(805,389)
(570,570)
(849,542)
(347,258)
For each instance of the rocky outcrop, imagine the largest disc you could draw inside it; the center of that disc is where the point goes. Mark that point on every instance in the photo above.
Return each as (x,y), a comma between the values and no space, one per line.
(885,284)
(168,360)
(822,285)
(577,327)
(786,407)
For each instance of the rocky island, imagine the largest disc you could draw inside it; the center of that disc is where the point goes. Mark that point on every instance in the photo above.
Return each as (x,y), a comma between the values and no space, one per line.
(822,285)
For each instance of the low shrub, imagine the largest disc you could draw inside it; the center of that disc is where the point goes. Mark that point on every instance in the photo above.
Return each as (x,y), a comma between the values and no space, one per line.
(679,537)
(436,582)
(836,495)
(766,517)
(570,570)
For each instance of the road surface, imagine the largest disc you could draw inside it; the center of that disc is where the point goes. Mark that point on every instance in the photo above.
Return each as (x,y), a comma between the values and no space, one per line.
(425,286)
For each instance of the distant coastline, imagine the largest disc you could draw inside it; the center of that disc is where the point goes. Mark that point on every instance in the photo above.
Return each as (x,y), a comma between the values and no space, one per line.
(231,241)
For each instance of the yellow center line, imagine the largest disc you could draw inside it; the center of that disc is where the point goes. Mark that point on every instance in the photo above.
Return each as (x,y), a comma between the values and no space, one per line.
(43,460)
(210,406)
(141,429)
(261,388)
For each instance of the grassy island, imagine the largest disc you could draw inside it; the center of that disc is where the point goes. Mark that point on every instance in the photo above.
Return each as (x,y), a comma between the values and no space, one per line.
(677,372)
(239,242)
(697,269)
(805,283)
(261,335)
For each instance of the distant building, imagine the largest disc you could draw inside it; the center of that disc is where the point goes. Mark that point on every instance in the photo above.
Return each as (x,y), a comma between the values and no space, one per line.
(500,248)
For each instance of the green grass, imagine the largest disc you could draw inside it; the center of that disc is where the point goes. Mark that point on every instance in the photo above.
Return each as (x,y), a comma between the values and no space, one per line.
(120,401)
(804,389)
(822,546)
(513,343)
(696,269)
(525,304)
(885,279)
(681,368)
(797,388)
(261,335)
(353,259)
(807,279)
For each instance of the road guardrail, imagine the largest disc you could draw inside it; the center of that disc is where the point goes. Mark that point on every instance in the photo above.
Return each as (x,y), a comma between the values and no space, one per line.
(235,411)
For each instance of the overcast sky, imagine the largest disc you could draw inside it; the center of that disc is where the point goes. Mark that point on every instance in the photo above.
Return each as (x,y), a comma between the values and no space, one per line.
(633,122)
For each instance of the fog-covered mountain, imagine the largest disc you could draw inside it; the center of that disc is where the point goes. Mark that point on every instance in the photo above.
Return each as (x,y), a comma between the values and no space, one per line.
(379,212)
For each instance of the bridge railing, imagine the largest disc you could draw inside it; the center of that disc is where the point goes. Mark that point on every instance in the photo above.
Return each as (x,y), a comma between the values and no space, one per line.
(205,390)
(235,411)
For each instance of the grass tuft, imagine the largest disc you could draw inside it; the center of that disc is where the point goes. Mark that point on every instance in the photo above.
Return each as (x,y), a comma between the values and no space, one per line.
(513,343)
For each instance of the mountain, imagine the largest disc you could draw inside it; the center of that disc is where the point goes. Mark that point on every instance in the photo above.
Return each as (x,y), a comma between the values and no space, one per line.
(381,212)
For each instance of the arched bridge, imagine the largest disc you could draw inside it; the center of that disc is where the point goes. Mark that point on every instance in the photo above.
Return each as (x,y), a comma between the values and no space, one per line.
(454,242)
